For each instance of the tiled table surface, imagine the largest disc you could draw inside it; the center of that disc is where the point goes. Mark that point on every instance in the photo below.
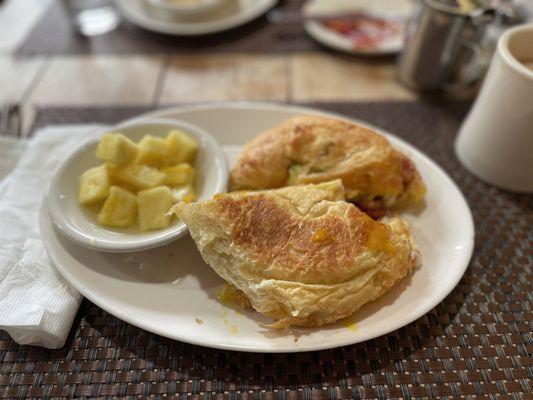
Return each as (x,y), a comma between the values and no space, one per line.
(148,80)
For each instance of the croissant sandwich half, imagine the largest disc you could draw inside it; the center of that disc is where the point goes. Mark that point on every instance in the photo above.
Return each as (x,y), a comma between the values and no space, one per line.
(314,149)
(301,254)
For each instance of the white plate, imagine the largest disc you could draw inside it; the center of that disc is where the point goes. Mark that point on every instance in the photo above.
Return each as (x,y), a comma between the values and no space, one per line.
(236,13)
(336,41)
(170,291)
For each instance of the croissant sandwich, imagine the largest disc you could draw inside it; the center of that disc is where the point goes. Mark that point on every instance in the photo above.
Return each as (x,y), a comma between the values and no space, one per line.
(314,149)
(302,254)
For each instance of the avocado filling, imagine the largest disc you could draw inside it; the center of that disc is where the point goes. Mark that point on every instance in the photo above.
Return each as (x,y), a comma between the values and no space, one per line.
(294,171)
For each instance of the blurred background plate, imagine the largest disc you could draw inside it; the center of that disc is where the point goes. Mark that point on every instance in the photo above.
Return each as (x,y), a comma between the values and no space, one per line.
(369,27)
(182,8)
(233,14)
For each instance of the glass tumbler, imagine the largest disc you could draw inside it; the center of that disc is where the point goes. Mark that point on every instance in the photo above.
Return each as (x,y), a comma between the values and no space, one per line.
(92,17)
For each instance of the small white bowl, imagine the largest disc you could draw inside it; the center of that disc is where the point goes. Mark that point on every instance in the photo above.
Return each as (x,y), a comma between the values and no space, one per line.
(79,224)
(169,8)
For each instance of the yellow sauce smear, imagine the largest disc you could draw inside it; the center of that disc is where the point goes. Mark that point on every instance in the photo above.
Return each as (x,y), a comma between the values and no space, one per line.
(233,330)
(321,235)
(378,240)
(227,295)
(350,325)
(225,322)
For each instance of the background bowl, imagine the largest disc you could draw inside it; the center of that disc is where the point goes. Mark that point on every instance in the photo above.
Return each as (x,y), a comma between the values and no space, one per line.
(78,222)
(169,8)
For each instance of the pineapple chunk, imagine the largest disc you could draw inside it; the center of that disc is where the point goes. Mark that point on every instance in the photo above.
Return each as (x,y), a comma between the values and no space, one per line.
(94,185)
(119,209)
(178,174)
(184,193)
(182,146)
(137,176)
(154,152)
(154,205)
(116,148)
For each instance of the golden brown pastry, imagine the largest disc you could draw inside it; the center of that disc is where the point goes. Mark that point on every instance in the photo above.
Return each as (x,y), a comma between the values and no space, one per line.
(313,149)
(301,254)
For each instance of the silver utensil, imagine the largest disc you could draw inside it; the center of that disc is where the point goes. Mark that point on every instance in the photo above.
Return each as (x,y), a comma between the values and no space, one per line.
(11,120)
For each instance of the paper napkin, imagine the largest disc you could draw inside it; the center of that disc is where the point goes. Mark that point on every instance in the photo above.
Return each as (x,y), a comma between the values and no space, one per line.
(37,306)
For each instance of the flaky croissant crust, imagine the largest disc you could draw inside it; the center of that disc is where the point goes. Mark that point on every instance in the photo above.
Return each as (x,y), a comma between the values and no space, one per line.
(301,255)
(313,149)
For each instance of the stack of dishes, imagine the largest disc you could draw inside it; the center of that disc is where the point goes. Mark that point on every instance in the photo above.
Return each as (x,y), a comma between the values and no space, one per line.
(192,17)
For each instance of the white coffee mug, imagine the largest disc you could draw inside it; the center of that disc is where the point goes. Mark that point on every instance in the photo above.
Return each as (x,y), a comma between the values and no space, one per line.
(495,142)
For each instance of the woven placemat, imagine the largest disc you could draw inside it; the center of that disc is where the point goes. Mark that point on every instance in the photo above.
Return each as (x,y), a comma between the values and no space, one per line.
(54,35)
(476,344)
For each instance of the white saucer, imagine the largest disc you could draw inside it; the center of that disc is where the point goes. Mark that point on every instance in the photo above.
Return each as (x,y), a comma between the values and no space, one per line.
(236,13)
(170,291)
(336,41)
